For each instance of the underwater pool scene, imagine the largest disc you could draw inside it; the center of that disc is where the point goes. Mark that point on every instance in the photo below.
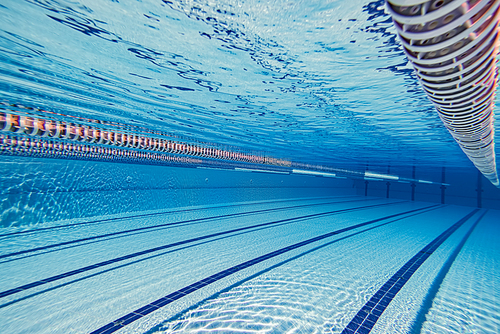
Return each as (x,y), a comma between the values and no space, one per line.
(249,166)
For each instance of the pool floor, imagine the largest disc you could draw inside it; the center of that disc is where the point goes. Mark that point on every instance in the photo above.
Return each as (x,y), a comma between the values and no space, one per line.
(303,265)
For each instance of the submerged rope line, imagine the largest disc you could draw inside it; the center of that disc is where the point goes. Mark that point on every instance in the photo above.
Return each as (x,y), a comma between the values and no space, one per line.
(38,136)
(44,137)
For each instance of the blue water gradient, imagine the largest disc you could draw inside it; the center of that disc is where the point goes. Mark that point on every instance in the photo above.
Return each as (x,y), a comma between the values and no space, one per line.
(318,81)
(90,245)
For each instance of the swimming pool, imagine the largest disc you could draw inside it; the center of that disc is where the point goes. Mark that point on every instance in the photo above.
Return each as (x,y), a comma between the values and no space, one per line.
(232,166)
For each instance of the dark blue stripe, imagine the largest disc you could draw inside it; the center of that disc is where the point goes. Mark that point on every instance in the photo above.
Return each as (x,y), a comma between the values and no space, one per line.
(435,287)
(119,323)
(155,249)
(366,318)
(163,225)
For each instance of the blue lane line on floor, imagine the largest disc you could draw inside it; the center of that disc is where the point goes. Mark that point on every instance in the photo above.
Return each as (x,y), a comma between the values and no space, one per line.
(438,281)
(161,213)
(366,318)
(145,228)
(155,249)
(204,242)
(151,307)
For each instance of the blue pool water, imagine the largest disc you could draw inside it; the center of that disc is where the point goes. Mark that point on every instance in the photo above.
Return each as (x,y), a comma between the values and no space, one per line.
(171,166)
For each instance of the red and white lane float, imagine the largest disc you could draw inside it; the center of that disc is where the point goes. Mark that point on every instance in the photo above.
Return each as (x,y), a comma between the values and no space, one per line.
(453,46)
(34,135)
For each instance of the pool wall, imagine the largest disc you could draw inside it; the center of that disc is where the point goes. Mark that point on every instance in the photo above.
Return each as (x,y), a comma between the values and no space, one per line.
(46,190)
(461,189)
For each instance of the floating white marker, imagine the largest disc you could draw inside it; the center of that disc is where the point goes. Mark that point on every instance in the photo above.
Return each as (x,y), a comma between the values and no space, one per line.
(381,176)
(453,45)
(310,172)
(260,170)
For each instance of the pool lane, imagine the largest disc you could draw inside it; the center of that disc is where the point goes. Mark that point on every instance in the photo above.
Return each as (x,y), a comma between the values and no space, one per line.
(158,226)
(18,273)
(26,244)
(320,291)
(43,236)
(138,282)
(33,230)
(172,297)
(171,245)
(467,299)
(101,296)
(365,319)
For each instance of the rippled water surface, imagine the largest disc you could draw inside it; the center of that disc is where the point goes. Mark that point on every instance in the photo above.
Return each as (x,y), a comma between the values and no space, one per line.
(322,81)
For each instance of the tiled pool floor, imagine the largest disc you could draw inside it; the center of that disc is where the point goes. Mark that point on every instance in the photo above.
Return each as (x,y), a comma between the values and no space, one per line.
(293,265)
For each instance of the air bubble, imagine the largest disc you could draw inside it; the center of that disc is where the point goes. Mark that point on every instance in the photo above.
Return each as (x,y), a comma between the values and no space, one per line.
(414,10)
(436,39)
(437,4)
(448,18)
(433,25)
(450,34)
(458,45)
